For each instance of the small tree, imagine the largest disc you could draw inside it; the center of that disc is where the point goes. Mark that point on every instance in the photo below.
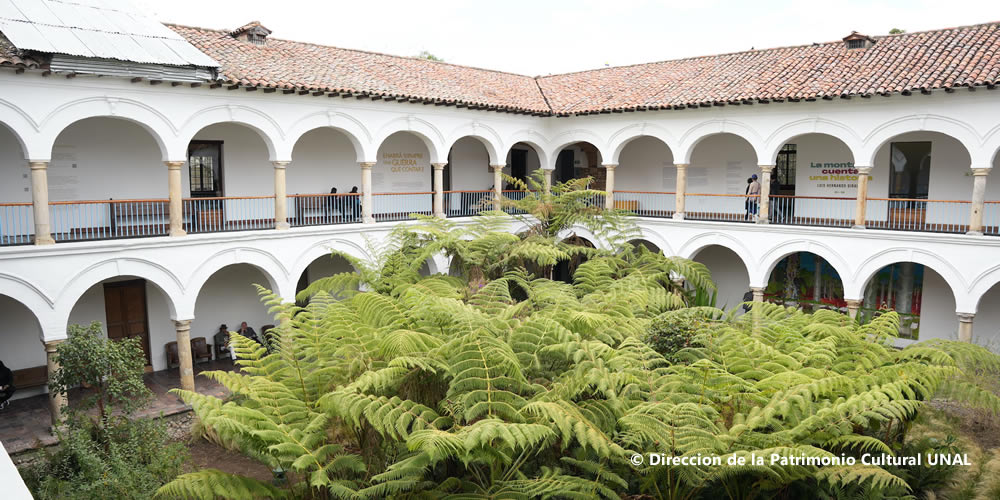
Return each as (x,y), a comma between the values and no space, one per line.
(112,370)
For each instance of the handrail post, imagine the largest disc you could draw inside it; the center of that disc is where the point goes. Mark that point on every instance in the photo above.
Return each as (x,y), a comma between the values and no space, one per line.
(40,202)
(864,173)
(439,189)
(497,185)
(978,200)
(175,205)
(280,195)
(764,211)
(680,191)
(367,216)
(609,185)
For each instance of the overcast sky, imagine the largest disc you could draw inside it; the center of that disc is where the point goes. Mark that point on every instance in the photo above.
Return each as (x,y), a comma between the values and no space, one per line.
(537,37)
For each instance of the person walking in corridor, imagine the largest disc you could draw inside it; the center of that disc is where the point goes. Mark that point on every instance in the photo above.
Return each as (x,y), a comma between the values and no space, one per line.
(753,197)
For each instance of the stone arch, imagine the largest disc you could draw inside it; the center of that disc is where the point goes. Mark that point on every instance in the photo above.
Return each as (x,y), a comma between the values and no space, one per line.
(155,274)
(626,135)
(571,137)
(690,140)
(278,149)
(691,248)
(982,284)
(272,269)
(484,134)
(531,138)
(36,301)
(584,233)
(157,135)
(807,126)
(23,128)
(991,148)
(322,248)
(657,239)
(775,255)
(149,118)
(351,127)
(881,135)
(432,137)
(855,288)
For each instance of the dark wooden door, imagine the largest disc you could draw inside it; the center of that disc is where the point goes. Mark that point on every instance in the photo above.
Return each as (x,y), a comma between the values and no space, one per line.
(125,307)
(565,166)
(519,164)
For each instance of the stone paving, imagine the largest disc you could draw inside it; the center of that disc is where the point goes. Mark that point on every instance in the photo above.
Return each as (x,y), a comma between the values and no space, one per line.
(25,423)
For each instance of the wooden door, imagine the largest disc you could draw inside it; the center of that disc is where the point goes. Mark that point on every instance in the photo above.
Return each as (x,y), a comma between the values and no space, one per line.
(125,307)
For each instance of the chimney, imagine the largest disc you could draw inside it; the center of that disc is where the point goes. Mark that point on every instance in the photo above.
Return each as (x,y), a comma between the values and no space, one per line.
(252,32)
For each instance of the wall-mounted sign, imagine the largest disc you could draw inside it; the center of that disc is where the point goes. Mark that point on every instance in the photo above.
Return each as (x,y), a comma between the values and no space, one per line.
(403,162)
(834,177)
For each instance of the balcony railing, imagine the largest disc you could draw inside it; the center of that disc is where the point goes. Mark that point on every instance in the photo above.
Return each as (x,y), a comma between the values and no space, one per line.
(17,223)
(323,209)
(114,219)
(645,203)
(905,214)
(721,207)
(399,206)
(467,203)
(213,215)
(811,210)
(110,219)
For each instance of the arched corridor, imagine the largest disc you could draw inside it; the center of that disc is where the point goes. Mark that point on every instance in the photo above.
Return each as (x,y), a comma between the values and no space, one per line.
(729,274)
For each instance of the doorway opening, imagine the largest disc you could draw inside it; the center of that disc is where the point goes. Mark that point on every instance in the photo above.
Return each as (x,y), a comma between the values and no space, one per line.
(127,316)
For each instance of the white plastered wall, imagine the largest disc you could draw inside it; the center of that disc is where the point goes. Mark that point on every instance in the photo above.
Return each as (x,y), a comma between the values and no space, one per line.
(20,337)
(229,298)
(322,159)
(728,272)
(646,164)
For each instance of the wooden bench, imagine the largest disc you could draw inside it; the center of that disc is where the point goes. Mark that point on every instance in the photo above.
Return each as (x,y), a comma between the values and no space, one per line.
(27,378)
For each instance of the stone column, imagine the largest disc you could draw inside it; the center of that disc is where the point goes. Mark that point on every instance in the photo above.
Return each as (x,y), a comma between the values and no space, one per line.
(680,191)
(176,201)
(280,195)
(184,353)
(609,185)
(864,173)
(40,202)
(56,399)
(978,199)
(852,307)
(438,189)
(497,185)
(366,193)
(764,205)
(547,180)
(965,327)
(758,293)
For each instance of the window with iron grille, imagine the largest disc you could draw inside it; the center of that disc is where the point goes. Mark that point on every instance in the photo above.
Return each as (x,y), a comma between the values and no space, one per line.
(856,44)
(785,166)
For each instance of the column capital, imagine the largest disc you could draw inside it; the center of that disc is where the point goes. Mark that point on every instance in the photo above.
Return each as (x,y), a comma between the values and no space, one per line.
(981,172)
(766,168)
(182,324)
(174,165)
(438,166)
(281,164)
(864,170)
(965,317)
(367,165)
(681,165)
(610,166)
(38,164)
(498,167)
(51,345)
(758,289)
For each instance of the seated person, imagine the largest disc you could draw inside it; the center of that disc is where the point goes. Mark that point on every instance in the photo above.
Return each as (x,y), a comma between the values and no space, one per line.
(248,332)
(6,384)
(222,340)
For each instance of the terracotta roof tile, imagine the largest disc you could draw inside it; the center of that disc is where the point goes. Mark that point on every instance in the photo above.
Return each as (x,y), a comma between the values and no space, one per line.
(11,56)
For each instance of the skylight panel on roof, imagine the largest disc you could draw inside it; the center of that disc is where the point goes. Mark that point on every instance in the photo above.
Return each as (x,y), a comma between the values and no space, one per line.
(107,29)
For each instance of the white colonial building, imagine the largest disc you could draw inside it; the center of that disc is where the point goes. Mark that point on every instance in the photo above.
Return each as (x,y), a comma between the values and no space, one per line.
(150,174)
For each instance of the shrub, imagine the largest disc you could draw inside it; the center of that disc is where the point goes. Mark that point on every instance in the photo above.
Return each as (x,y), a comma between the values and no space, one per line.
(670,333)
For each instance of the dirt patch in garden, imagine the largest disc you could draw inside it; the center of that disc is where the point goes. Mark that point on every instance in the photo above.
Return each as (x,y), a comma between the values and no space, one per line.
(977,425)
(206,455)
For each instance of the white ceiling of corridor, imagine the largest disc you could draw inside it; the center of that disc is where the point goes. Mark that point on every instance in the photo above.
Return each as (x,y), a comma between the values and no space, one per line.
(107,29)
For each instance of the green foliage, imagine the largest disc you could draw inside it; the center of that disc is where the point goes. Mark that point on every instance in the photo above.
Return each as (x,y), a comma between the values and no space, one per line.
(508,384)
(112,455)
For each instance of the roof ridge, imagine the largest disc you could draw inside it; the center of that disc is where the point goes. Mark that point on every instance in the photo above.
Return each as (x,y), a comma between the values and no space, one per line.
(781,47)
(360,51)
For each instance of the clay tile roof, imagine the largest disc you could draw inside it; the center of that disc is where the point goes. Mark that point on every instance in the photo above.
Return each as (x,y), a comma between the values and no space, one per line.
(249,26)
(297,65)
(11,56)
(911,62)
(940,59)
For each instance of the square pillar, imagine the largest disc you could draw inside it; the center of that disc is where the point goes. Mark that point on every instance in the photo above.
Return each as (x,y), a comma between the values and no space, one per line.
(497,186)
(184,353)
(978,200)
(764,205)
(280,196)
(609,185)
(680,191)
(57,400)
(367,216)
(965,327)
(40,202)
(864,173)
(439,189)
(175,198)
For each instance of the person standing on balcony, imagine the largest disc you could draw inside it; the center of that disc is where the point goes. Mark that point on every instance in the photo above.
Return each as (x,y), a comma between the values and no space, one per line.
(331,203)
(355,202)
(753,193)
(775,186)
(746,202)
